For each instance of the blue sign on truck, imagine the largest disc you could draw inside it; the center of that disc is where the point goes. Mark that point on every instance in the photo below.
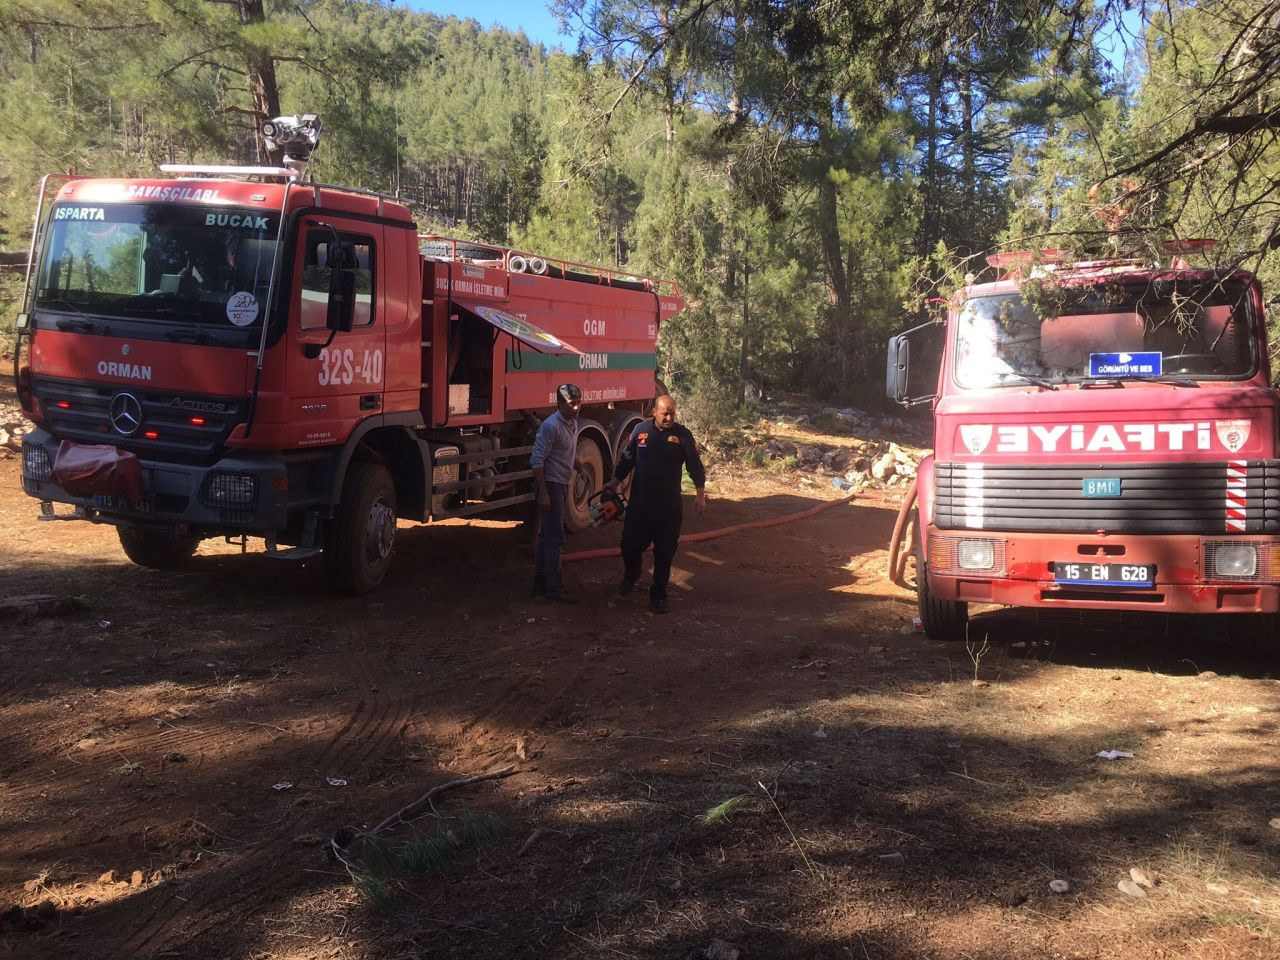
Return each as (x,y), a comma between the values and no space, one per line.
(1126,364)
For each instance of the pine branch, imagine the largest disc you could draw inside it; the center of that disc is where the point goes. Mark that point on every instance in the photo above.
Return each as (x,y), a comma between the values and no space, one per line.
(408,812)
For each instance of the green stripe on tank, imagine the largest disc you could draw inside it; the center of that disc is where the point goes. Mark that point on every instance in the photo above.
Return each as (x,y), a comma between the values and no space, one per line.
(531,361)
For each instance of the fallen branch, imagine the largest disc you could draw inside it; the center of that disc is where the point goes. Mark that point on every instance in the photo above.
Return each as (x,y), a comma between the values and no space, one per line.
(408,812)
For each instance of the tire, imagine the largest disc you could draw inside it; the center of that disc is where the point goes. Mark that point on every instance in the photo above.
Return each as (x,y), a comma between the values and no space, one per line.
(361,536)
(944,621)
(577,513)
(624,488)
(156,549)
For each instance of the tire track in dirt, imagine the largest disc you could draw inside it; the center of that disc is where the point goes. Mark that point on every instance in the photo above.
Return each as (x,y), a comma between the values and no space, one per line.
(518,706)
(382,711)
(118,748)
(249,880)
(246,886)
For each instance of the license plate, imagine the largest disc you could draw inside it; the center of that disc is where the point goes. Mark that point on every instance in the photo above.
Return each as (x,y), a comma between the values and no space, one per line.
(1106,574)
(103,501)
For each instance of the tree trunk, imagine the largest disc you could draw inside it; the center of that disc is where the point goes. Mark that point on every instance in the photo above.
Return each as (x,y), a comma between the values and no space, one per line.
(967,144)
(669,113)
(263,91)
(931,231)
(744,369)
(735,232)
(668,87)
(838,299)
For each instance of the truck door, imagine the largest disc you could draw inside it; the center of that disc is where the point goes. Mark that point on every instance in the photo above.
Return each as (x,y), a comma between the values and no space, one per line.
(336,379)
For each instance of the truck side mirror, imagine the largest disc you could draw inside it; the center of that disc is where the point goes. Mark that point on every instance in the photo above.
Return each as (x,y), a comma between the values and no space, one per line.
(897,368)
(342,288)
(342,301)
(897,379)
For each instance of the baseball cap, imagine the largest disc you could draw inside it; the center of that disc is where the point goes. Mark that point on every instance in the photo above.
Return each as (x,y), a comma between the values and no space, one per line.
(568,392)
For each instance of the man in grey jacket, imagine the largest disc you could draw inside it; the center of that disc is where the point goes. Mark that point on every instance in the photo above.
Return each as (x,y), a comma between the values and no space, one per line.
(554,461)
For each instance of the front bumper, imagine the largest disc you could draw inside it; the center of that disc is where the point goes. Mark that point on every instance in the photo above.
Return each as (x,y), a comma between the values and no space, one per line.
(175,495)
(1184,582)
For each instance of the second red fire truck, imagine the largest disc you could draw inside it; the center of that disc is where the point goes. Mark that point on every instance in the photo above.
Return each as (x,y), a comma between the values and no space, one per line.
(1105,439)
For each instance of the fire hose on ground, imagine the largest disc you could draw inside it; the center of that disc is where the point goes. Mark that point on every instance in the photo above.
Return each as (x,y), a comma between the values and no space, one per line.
(715,534)
(904,534)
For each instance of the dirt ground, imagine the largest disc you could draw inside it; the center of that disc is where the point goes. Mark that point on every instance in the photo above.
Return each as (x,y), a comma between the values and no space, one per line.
(874,802)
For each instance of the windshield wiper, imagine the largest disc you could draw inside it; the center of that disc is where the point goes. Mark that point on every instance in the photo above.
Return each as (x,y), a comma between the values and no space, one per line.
(1088,382)
(189,336)
(83,325)
(1038,381)
(188,314)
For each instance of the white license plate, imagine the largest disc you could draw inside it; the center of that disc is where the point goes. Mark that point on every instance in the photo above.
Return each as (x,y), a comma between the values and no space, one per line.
(103,501)
(1106,574)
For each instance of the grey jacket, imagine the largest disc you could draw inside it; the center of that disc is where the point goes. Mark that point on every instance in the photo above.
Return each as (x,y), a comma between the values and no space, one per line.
(555,448)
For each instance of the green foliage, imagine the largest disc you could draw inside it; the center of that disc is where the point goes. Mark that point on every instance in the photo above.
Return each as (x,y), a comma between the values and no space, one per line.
(380,862)
(806,173)
(10,292)
(428,855)
(377,890)
(709,409)
(722,812)
(486,830)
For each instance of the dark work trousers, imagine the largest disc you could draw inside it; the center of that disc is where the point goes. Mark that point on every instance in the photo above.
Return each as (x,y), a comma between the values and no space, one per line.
(645,524)
(546,562)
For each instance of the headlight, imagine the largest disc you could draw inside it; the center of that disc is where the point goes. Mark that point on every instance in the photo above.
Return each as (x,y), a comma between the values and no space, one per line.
(975,555)
(1235,560)
(222,489)
(35,462)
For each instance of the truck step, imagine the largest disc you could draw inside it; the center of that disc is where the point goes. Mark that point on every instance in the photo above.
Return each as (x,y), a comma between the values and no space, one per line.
(294,553)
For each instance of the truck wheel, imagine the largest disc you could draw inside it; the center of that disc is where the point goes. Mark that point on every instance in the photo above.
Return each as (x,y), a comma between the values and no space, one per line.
(363,531)
(157,549)
(624,488)
(944,621)
(577,513)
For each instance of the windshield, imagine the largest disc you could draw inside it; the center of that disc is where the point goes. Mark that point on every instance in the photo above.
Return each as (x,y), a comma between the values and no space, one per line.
(160,262)
(1045,333)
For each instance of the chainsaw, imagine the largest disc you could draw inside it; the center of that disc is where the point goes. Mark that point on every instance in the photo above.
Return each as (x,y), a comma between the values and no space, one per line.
(606,506)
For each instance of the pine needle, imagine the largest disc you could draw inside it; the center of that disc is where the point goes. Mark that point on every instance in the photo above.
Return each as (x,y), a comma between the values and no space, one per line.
(379,858)
(427,855)
(721,812)
(375,890)
(483,831)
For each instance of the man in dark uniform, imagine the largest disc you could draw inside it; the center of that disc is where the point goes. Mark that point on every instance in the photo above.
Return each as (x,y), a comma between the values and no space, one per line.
(659,449)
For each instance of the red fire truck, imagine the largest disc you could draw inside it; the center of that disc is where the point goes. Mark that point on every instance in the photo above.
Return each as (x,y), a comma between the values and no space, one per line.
(242,352)
(1105,438)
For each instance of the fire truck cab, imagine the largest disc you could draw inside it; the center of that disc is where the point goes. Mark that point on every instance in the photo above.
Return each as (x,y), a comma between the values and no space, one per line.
(1104,439)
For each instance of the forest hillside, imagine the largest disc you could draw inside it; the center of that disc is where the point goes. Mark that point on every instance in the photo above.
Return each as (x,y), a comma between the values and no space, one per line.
(808,173)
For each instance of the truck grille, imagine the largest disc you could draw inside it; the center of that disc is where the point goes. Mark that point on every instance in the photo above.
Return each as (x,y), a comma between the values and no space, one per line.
(82,412)
(1238,496)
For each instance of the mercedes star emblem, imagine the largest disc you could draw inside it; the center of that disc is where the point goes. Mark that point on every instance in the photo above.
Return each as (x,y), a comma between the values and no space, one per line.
(126,413)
